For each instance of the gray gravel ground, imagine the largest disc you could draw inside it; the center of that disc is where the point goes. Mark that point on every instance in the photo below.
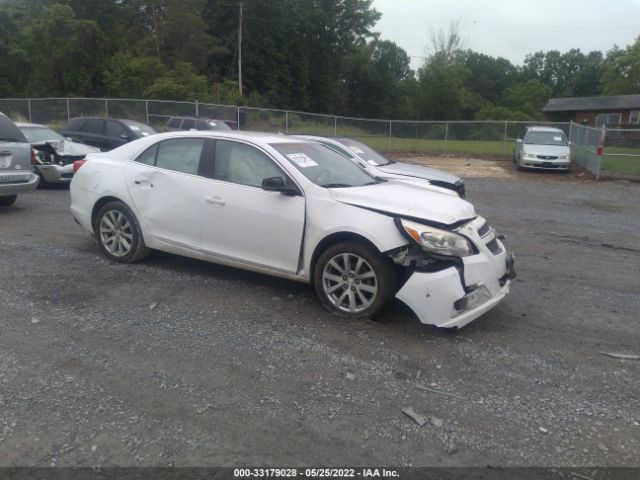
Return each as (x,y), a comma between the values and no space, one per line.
(179,362)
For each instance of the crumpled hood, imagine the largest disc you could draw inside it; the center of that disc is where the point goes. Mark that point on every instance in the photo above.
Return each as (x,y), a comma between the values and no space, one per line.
(547,150)
(418,171)
(408,200)
(75,148)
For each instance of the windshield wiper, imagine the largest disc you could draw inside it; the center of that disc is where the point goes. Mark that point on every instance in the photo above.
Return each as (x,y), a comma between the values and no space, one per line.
(336,185)
(375,182)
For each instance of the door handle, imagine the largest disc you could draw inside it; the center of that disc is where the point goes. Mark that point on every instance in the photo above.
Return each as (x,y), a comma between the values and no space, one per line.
(143,182)
(215,200)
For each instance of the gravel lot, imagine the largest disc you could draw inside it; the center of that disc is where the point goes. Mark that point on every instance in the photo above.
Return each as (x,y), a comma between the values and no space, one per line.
(179,362)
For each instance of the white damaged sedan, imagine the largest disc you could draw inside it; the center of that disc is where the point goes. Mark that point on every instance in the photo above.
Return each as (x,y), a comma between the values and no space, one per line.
(295,209)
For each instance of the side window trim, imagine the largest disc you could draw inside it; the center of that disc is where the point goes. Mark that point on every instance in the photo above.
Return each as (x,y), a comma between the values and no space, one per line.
(207,156)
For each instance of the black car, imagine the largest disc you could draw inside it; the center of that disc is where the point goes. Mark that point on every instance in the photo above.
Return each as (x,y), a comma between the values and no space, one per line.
(195,123)
(105,133)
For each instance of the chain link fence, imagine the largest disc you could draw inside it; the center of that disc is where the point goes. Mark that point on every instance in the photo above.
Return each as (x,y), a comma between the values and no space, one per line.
(621,152)
(490,138)
(584,147)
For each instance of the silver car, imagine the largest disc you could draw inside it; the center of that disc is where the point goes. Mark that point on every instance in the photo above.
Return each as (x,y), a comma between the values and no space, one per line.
(542,148)
(383,167)
(54,154)
(16,172)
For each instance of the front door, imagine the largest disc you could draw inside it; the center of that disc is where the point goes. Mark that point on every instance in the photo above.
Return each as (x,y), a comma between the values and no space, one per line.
(244,222)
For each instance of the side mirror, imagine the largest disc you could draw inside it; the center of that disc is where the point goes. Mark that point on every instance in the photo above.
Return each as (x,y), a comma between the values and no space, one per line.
(518,140)
(125,137)
(277,184)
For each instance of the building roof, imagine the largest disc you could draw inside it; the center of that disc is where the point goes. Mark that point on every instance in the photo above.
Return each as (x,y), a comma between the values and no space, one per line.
(616,102)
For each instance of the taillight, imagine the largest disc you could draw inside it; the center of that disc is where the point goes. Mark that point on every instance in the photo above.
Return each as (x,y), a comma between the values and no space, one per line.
(77,164)
(34,161)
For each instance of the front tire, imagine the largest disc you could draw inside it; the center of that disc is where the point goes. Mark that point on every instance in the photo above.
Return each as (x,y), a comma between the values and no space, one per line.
(8,200)
(354,280)
(118,234)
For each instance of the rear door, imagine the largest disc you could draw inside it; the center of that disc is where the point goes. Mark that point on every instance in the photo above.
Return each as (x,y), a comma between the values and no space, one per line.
(166,186)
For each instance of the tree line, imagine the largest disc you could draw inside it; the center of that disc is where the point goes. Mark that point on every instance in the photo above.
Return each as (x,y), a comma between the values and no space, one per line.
(312,55)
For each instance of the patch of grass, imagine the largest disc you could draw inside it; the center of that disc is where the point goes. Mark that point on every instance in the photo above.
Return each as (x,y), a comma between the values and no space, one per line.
(626,164)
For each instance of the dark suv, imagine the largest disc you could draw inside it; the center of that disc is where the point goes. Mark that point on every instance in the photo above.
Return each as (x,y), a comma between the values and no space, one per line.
(105,133)
(195,123)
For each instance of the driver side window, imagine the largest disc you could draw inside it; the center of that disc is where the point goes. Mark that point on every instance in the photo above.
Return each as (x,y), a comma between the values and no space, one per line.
(236,162)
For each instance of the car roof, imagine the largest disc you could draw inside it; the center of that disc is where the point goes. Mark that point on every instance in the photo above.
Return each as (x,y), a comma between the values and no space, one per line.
(544,129)
(30,125)
(260,137)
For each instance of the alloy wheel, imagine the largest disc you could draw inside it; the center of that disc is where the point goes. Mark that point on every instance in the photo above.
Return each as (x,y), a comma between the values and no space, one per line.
(350,282)
(116,233)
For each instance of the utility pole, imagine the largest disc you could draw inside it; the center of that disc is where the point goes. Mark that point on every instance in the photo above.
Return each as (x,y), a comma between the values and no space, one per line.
(240,50)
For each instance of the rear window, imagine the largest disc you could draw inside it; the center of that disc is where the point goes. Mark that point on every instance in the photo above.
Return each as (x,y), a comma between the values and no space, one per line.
(41,134)
(9,132)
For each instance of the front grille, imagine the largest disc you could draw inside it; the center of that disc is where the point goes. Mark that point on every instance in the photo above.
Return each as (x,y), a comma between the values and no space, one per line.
(484,230)
(547,157)
(494,247)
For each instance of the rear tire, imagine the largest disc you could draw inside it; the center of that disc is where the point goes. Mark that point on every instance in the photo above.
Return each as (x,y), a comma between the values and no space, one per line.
(353,280)
(8,200)
(118,233)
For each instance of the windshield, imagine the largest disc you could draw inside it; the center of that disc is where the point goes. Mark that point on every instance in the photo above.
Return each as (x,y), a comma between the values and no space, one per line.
(546,138)
(41,134)
(324,166)
(218,125)
(366,153)
(140,129)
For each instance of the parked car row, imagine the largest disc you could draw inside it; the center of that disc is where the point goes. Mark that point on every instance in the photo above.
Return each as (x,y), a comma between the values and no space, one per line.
(332,212)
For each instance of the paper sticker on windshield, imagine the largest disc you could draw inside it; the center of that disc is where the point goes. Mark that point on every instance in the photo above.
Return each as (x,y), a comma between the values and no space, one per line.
(302,160)
(372,162)
(356,150)
(557,139)
(135,128)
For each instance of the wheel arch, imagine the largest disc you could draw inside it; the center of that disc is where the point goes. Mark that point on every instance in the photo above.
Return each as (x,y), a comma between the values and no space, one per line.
(102,201)
(333,239)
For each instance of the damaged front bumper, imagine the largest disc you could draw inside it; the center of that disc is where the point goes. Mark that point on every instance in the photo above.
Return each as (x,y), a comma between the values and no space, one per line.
(455,296)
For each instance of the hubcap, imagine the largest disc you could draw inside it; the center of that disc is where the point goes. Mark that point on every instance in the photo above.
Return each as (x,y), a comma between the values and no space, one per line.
(115,233)
(350,282)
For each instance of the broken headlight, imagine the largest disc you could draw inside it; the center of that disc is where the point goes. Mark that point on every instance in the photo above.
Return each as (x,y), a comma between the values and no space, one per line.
(434,240)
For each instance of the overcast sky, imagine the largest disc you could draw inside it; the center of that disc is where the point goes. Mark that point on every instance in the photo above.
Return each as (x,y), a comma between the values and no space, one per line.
(511,28)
